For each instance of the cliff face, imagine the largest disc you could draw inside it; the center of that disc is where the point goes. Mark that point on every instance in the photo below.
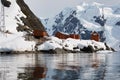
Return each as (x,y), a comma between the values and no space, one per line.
(31,20)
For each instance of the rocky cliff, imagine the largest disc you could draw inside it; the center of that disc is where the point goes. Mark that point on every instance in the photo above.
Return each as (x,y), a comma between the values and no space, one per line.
(31,20)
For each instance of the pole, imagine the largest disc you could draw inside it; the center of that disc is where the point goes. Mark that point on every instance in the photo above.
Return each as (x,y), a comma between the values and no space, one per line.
(2,20)
(104,21)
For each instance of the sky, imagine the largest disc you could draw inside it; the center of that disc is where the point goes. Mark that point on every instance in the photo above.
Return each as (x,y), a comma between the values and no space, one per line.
(50,8)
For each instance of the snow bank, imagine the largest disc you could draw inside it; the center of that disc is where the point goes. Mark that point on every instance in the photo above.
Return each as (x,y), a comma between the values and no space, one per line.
(51,44)
(70,44)
(15,42)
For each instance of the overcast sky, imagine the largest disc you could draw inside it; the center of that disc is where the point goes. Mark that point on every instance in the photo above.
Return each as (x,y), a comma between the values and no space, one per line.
(49,8)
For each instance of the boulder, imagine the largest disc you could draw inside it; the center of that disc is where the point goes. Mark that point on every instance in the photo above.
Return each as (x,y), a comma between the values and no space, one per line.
(88,49)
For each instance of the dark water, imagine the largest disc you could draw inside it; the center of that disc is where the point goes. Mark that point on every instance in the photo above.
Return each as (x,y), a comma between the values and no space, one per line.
(72,66)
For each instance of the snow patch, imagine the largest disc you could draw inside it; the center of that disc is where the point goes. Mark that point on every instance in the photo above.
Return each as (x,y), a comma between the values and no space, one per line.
(15,42)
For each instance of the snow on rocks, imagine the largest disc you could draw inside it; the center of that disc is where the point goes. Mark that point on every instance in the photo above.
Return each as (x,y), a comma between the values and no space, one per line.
(15,40)
(72,45)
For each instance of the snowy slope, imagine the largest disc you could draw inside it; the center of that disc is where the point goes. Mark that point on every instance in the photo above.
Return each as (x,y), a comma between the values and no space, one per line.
(85,18)
(14,40)
(11,15)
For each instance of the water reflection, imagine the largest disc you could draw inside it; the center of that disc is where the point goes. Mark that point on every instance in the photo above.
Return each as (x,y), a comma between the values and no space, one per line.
(72,66)
(36,71)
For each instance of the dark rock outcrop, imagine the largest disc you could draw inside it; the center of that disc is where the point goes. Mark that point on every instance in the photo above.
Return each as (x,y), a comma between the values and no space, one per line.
(69,26)
(31,20)
(6,3)
(100,20)
(118,23)
(108,48)
(88,49)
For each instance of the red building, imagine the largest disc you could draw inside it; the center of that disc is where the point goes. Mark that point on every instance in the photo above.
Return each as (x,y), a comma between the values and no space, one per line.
(65,36)
(61,35)
(74,36)
(38,33)
(95,36)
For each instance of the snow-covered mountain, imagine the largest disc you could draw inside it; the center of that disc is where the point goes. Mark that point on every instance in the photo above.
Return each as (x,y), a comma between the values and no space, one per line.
(18,19)
(84,19)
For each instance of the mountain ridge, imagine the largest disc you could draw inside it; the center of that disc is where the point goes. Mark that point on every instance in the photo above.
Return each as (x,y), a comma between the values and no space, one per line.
(84,19)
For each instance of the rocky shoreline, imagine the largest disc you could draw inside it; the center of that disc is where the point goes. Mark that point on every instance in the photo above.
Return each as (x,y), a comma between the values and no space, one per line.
(56,51)
(88,49)
(85,50)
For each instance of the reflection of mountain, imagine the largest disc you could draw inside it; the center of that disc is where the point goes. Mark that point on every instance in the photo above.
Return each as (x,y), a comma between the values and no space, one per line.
(67,67)
(57,66)
(35,72)
(66,74)
(76,66)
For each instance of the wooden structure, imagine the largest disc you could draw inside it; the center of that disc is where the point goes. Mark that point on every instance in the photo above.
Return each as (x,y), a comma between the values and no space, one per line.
(95,36)
(65,36)
(38,33)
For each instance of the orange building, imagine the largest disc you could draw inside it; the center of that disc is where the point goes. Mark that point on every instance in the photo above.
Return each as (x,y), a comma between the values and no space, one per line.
(95,36)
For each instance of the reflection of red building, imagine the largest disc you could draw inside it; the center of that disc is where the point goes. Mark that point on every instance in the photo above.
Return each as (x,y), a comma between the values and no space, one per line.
(39,72)
(65,36)
(95,36)
(95,61)
(38,33)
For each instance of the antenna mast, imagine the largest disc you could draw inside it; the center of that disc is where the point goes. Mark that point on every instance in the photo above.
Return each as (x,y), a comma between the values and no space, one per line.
(2,19)
(104,21)
(103,18)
